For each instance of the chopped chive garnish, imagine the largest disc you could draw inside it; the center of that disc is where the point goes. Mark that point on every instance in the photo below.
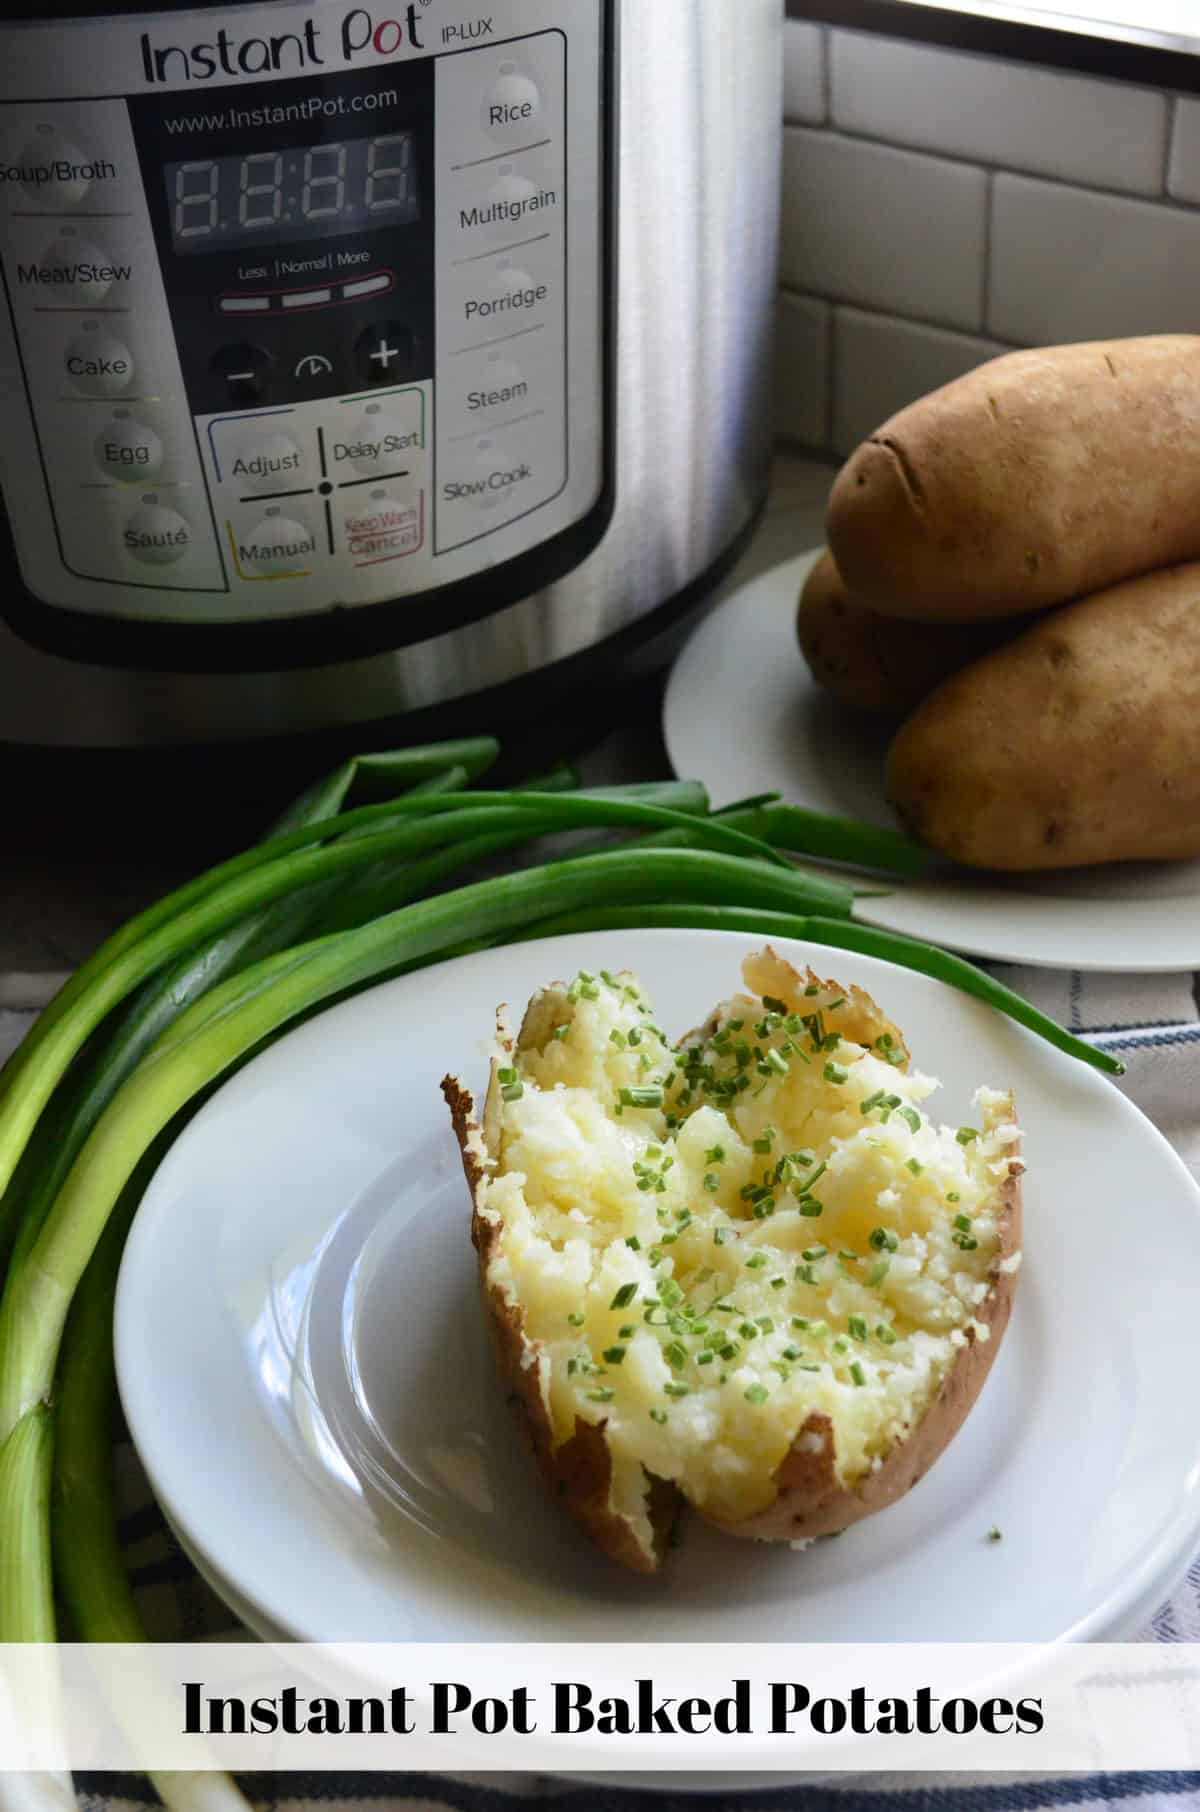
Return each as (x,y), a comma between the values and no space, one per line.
(721,1235)
(757,1393)
(911,1117)
(792,1352)
(965,1134)
(809,1368)
(624,1296)
(915,1166)
(512,1091)
(878,1272)
(715,1155)
(603,1394)
(847,1256)
(704,1358)
(560,1032)
(952,1195)
(833,1072)
(811,1254)
(857,1326)
(765,1323)
(801,1322)
(627,1332)
(712,1182)
(778,1062)
(882,1239)
(777,1283)
(810,1208)
(658,1415)
(963,1222)
(857,1373)
(676,1390)
(650,1096)
(841,1344)
(747,1330)
(756,1261)
(675,1355)
(613,1355)
(886,1334)
(634,1243)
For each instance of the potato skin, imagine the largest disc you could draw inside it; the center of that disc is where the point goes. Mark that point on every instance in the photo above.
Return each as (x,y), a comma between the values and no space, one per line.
(578,1472)
(1039,477)
(1077,743)
(882,665)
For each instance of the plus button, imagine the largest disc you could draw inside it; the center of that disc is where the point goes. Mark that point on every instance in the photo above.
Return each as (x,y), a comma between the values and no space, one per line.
(386,352)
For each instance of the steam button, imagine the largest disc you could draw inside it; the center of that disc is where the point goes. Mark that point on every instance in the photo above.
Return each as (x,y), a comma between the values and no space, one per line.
(98,363)
(128,450)
(511,106)
(157,535)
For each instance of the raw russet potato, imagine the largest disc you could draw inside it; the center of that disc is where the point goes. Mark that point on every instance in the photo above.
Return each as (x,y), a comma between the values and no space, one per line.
(874,663)
(778,1309)
(1036,478)
(1077,743)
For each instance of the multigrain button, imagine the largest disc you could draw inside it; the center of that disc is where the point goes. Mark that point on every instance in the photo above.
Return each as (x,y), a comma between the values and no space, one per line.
(278,545)
(97,362)
(511,106)
(128,450)
(157,535)
(510,202)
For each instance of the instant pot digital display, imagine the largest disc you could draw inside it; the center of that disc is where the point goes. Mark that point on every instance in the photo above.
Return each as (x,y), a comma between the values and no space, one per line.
(300,192)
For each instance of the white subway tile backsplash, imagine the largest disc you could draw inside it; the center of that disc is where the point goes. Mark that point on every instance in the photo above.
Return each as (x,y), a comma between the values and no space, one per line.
(803,72)
(1068,264)
(1183,171)
(801,370)
(881,364)
(1111,134)
(890,229)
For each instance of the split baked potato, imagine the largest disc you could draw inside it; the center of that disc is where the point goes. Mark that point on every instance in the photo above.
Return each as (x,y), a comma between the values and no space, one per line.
(746,1272)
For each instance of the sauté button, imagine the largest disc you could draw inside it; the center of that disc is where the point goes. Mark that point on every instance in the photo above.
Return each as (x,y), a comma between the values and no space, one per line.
(157,535)
(386,353)
(245,370)
(128,450)
(98,363)
(277,545)
(511,106)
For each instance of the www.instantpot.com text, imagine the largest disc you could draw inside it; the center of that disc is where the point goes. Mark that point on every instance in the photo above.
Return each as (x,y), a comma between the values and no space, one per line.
(283,113)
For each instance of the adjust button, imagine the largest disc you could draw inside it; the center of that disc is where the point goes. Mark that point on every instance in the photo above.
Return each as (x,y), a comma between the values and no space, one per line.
(387,352)
(156,535)
(266,462)
(128,450)
(98,363)
(245,370)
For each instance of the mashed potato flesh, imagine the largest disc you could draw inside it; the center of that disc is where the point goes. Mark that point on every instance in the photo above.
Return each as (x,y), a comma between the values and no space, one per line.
(711,1243)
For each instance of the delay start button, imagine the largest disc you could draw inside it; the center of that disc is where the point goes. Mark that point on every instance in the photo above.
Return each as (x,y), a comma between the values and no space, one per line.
(156,535)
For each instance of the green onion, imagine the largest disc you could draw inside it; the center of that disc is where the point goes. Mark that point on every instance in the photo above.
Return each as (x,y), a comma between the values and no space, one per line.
(757,1393)
(857,1373)
(640,1097)
(627,1291)
(613,1355)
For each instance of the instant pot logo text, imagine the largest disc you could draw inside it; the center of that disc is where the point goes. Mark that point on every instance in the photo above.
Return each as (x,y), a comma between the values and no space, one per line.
(361,36)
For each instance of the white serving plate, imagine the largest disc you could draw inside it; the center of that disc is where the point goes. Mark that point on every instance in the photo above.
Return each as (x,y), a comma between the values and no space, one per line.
(307,1376)
(743,714)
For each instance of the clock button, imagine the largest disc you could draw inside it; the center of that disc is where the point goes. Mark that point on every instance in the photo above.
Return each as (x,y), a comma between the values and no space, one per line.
(387,352)
(98,363)
(511,106)
(128,450)
(157,535)
(244,369)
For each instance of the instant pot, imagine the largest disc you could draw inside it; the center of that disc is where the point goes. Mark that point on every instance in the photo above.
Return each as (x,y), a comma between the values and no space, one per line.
(361,359)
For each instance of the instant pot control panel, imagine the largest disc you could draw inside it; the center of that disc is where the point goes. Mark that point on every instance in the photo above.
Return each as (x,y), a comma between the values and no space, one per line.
(308,320)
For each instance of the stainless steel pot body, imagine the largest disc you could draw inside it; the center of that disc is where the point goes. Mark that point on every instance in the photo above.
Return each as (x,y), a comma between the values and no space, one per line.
(696,167)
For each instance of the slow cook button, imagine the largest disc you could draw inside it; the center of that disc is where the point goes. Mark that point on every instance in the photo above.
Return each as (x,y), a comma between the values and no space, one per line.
(490,479)
(511,106)
(382,526)
(384,438)
(128,450)
(156,534)
(277,546)
(97,362)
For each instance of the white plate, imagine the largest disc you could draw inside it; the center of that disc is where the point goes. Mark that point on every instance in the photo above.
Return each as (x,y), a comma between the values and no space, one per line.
(307,1376)
(306,1373)
(776,730)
